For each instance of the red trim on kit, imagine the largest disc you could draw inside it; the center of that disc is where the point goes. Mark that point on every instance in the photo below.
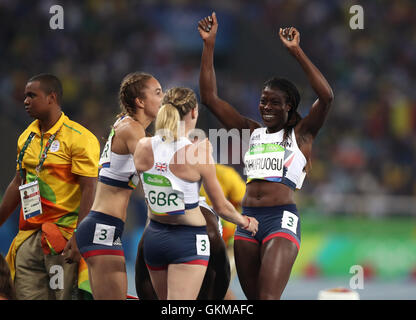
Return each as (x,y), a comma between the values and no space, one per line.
(198,261)
(156,268)
(103,252)
(282,235)
(245,239)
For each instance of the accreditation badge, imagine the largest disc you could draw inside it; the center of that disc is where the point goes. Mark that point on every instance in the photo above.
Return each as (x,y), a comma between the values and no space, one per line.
(30,198)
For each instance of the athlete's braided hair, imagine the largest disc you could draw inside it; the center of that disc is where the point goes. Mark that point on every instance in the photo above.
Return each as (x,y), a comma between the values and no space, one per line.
(131,88)
(176,103)
(183,99)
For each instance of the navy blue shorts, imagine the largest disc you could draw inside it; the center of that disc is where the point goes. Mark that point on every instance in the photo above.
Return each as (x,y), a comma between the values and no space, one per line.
(165,244)
(100,234)
(277,221)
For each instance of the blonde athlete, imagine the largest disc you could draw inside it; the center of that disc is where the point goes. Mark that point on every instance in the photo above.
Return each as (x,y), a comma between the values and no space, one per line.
(175,243)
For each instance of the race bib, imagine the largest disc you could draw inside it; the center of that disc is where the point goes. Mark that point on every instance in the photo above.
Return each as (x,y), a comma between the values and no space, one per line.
(264,161)
(202,245)
(106,154)
(290,221)
(104,234)
(161,197)
(30,199)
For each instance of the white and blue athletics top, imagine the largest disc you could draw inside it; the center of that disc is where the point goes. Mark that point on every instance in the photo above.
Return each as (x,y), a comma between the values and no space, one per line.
(117,170)
(166,194)
(270,158)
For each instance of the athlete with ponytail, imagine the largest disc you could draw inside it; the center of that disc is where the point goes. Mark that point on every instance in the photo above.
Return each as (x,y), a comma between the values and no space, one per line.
(276,163)
(99,234)
(176,246)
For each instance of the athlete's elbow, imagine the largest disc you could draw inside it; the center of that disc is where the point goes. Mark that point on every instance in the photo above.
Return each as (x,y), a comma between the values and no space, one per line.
(328,97)
(207,97)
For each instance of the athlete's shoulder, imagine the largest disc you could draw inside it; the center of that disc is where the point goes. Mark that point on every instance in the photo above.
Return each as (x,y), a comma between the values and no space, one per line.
(259,130)
(128,127)
(143,154)
(204,144)
(145,143)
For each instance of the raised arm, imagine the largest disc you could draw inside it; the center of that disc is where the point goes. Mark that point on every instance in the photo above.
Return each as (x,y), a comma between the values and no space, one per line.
(311,124)
(227,114)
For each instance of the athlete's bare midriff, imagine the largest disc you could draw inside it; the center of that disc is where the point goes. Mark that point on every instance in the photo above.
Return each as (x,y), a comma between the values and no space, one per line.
(111,200)
(260,193)
(192,217)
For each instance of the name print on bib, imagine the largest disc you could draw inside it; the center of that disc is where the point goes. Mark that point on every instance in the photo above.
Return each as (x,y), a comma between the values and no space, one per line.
(264,161)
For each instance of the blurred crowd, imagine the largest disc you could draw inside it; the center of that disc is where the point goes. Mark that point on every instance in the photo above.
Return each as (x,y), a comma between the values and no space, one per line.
(368,142)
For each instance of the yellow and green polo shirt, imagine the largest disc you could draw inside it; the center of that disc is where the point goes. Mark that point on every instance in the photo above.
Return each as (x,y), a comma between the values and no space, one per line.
(74,151)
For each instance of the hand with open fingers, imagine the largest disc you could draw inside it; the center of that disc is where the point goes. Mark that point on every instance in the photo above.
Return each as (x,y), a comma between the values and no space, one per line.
(290,37)
(208,27)
(252,225)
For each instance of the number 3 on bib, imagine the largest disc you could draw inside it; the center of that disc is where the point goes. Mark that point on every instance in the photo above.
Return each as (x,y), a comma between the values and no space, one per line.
(104,234)
(290,221)
(202,245)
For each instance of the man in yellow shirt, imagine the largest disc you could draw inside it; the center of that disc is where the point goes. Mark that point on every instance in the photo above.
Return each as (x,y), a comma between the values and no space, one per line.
(57,168)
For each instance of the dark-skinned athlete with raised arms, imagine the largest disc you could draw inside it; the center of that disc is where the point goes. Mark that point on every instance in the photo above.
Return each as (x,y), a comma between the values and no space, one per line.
(276,163)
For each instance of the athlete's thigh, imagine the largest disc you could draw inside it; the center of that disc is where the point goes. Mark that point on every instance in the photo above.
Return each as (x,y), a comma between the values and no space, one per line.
(277,258)
(106,267)
(108,275)
(247,262)
(144,287)
(185,280)
(159,280)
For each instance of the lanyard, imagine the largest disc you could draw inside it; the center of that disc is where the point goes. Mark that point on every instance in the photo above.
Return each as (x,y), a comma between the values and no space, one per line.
(22,153)
(42,158)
